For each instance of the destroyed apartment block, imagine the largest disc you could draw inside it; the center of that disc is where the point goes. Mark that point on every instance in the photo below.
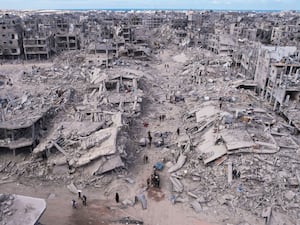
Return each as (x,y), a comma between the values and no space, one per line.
(179,22)
(153,21)
(279,79)
(66,41)
(38,41)
(22,131)
(140,52)
(38,46)
(234,132)
(221,44)
(135,19)
(284,84)
(105,53)
(65,34)
(11,37)
(85,144)
(122,91)
(245,61)
(127,34)
(110,50)
(140,36)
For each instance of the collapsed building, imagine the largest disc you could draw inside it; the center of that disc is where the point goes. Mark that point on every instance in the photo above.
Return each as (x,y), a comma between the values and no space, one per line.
(240,101)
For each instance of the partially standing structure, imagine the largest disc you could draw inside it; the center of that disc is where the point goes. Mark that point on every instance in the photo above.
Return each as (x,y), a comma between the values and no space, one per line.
(10,37)
(38,39)
(66,36)
(22,131)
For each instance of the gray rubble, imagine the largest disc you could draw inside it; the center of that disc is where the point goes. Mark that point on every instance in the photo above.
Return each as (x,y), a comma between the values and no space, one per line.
(224,117)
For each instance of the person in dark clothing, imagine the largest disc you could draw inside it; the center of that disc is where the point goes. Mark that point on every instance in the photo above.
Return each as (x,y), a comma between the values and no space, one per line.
(145,159)
(149,137)
(236,174)
(84,200)
(117,197)
(148,183)
(220,102)
(178,131)
(44,155)
(74,204)
(150,140)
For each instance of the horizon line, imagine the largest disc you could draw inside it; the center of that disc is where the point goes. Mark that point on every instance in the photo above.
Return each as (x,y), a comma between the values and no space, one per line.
(159,9)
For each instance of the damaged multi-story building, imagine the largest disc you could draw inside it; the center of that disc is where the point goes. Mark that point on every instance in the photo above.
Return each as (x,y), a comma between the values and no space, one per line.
(38,40)
(66,34)
(11,37)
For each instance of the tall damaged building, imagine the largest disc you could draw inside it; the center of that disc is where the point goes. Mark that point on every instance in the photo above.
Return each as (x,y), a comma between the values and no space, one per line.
(38,40)
(66,34)
(11,37)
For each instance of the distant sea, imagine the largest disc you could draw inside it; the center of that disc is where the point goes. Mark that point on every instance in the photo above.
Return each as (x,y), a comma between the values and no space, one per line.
(216,10)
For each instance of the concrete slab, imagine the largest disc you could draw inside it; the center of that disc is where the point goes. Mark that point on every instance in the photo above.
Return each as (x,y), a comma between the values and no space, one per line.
(25,210)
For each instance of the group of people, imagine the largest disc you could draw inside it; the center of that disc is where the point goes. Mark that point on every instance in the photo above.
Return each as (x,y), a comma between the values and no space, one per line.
(154,180)
(167,67)
(236,174)
(83,199)
(162,118)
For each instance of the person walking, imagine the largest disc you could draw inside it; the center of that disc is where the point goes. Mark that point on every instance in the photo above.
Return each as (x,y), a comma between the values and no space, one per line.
(117,197)
(84,200)
(145,159)
(150,138)
(74,204)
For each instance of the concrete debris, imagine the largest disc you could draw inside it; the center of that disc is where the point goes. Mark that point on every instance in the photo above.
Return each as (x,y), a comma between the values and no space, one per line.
(180,162)
(128,220)
(72,188)
(109,164)
(143,142)
(289,195)
(217,93)
(142,199)
(18,209)
(127,202)
(196,206)
(177,185)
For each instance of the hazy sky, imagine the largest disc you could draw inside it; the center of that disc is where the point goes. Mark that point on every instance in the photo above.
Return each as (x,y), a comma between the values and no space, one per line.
(152,4)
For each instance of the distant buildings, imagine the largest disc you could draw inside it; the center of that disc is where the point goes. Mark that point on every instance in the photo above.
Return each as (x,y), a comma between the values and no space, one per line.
(263,46)
(10,37)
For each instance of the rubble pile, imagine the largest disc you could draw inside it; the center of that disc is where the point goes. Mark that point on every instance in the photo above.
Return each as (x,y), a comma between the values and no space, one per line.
(235,153)
(6,202)
(203,96)
(88,111)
